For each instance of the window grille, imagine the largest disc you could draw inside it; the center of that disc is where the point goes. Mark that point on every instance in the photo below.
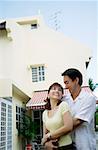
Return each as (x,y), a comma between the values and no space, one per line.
(38,73)
(20,112)
(5,125)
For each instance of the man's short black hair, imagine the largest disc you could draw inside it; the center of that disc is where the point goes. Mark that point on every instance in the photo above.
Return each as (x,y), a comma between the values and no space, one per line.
(73,74)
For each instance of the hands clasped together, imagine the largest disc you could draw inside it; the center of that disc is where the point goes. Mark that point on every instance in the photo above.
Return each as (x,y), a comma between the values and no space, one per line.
(49,143)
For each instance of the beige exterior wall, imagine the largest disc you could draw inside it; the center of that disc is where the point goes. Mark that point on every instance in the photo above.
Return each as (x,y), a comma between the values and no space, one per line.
(14,57)
(39,46)
(22,47)
(5,88)
(16,141)
(58,53)
(19,99)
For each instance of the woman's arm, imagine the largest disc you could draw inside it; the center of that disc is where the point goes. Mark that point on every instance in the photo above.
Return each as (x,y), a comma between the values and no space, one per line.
(66,128)
(48,144)
(45,131)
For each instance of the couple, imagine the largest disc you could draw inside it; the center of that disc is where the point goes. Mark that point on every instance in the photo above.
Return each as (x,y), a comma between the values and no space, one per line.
(68,124)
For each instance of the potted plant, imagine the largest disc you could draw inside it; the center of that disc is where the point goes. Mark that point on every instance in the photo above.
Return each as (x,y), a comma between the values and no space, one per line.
(27,130)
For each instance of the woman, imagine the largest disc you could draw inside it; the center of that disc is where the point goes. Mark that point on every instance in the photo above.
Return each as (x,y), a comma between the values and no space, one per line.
(57,119)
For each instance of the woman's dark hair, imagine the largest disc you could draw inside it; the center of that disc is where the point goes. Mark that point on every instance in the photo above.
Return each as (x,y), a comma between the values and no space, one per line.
(47,100)
(73,74)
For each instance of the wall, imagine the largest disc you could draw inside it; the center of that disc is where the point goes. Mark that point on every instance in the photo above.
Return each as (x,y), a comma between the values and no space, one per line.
(40,46)
(5,88)
(17,100)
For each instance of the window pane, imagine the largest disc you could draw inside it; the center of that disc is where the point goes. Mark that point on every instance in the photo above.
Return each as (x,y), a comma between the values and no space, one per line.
(42,67)
(39,78)
(38,74)
(34,26)
(43,78)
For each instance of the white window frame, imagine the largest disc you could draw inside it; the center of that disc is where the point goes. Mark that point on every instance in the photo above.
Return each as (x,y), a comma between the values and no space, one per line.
(6,139)
(38,73)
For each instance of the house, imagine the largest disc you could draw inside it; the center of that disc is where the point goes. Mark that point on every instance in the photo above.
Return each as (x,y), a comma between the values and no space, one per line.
(32,56)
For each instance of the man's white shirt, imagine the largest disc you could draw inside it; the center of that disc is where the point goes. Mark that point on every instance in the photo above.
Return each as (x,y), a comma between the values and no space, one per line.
(83,107)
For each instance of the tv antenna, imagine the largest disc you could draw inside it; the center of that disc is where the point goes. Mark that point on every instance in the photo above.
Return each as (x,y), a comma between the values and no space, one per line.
(55,20)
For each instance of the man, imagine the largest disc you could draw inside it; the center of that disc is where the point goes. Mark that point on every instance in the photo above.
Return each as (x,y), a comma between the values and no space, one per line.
(83,106)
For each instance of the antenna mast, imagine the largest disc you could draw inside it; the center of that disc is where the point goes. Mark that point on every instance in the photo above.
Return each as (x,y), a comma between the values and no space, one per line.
(55,21)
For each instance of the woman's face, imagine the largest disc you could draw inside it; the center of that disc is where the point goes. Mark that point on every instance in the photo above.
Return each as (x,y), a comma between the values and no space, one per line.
(55,92)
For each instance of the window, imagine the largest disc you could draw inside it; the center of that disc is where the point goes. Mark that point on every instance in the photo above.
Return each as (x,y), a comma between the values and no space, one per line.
(38,120)
(38,73)
(5,125)
(20,112)
(34,26)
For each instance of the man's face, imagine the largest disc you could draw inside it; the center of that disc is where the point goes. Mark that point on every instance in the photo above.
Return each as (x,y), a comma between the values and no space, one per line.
(69,84)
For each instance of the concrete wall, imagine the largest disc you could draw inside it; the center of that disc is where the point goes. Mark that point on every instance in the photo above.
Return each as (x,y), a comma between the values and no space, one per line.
(20,100)
(41,46)
(5,88)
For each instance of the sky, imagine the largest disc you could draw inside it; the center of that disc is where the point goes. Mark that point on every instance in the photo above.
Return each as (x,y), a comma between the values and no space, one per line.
(75,19)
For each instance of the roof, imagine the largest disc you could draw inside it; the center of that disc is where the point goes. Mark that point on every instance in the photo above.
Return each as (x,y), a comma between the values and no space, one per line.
(37,100)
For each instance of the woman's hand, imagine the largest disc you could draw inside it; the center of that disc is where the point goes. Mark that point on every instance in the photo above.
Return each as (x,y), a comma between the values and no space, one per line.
(50,146)
(46,138)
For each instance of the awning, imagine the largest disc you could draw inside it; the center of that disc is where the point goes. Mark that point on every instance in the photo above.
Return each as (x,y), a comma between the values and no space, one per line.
(37,100)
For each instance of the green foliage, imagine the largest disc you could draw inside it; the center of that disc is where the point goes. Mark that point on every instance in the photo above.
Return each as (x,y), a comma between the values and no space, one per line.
(92,86)
(27,128)
(96,119)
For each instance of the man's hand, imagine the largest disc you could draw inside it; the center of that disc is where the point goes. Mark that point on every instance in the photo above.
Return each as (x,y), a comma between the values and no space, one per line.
(49,145)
